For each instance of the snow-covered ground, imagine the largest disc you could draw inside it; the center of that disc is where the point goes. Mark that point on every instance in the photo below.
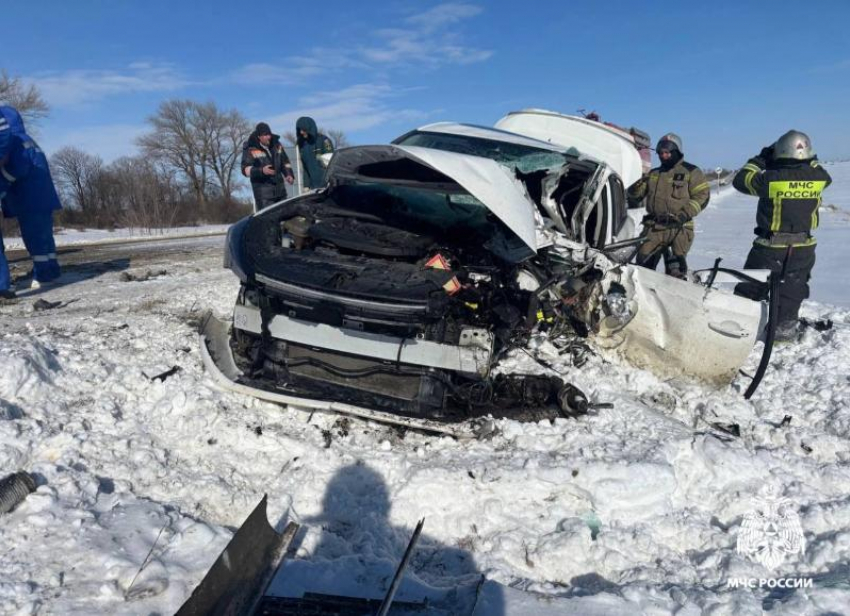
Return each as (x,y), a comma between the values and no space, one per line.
(635,509)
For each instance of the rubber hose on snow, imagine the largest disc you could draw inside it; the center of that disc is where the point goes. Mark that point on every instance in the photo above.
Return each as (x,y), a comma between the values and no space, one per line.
(14,489)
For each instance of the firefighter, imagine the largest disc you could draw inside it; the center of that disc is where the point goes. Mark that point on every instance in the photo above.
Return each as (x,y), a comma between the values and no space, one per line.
(789,181)
(674,192)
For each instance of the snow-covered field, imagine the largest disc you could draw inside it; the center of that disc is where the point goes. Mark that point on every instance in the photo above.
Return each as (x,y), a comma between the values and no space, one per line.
(636,509)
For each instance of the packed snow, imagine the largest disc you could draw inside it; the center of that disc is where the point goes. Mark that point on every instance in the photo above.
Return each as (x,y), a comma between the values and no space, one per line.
(634,509)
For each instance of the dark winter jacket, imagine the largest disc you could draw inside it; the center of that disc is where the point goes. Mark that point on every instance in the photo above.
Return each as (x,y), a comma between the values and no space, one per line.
(268,189)
(789,194)
(25,175)
(675,191)
(310,149)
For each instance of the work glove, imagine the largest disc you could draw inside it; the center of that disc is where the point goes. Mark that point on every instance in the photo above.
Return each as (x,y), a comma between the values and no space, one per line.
(766,153)
(672,220)
(648,220)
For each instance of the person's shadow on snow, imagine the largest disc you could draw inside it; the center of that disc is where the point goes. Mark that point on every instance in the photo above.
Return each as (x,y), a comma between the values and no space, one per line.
(354,551)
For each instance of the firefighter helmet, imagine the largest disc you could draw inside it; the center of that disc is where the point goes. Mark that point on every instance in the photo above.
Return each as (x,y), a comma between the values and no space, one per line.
(669,141)
(794,144)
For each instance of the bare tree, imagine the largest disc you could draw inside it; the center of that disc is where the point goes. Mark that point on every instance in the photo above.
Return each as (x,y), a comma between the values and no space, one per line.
(25,98)
(176,143)
(223,133)
(289,138)
(143,194)
(201,142)
(77,173)
(339,138)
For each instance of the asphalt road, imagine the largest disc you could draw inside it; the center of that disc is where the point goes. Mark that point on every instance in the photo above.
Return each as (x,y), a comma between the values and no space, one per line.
(85,260)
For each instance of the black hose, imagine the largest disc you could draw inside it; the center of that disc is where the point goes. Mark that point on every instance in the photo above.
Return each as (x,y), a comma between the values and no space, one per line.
(772,313)
(14,489)
(714,271)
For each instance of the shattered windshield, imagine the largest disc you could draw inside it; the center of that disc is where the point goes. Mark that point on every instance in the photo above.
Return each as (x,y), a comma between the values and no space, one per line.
(522,157)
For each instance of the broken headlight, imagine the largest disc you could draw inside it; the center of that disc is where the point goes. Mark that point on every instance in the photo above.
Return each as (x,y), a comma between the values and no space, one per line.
(617,307)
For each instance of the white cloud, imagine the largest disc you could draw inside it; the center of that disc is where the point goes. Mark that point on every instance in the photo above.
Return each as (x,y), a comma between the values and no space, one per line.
(443,15)
(271,74)
(358,107)
(296,69)
(76,87)
(109,141)
(430,38)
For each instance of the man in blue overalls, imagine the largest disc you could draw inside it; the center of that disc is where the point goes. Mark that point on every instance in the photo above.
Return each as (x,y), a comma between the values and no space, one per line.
(5,145)
(30,196)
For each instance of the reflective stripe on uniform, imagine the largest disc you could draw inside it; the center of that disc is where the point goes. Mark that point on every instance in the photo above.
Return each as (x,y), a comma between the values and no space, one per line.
(751,170)
(702,186)
(795,189)
(51,255)
(40,258)
(695,206)
(761,241)
(9,177)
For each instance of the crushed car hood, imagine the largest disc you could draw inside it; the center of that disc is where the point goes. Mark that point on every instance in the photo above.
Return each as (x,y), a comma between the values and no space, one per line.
(489,182)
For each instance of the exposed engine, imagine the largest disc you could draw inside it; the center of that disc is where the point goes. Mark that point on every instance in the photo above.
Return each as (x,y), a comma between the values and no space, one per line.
(352,270)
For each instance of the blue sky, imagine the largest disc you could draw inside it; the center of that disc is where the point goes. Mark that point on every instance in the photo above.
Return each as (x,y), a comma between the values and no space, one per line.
(729,77)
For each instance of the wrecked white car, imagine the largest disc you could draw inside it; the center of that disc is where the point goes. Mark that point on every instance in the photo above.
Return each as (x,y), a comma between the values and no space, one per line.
(394,293)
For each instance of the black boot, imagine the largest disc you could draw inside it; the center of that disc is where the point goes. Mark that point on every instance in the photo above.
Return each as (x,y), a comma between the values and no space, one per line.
(787,331)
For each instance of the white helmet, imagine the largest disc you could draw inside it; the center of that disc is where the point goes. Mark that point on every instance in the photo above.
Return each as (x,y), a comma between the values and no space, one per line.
(795,145)
(670,141)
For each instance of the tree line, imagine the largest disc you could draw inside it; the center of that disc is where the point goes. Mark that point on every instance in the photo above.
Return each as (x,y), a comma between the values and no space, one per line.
(186,173)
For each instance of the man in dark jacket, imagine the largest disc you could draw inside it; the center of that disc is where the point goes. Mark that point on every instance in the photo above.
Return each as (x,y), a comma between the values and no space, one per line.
(28,195)
(789,181)
(675,192)
(265,161)
(311,145)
